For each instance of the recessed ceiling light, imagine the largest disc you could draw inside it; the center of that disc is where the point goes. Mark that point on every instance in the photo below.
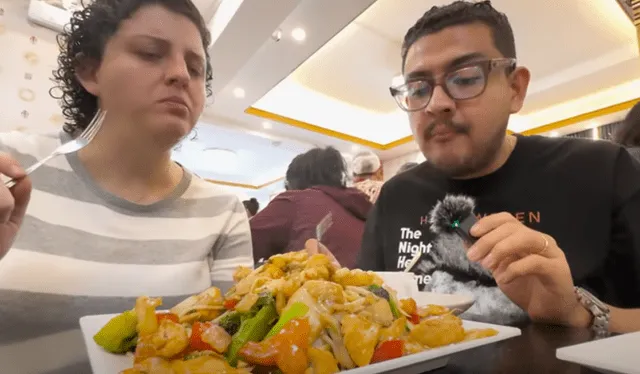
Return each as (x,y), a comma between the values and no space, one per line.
(266,125)
(298,34)
(238,92)
(277,35)
(554,133)
(355,148)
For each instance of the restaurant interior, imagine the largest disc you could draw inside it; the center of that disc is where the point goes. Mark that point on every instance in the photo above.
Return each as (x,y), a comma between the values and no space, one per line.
(338,58)
(292,75)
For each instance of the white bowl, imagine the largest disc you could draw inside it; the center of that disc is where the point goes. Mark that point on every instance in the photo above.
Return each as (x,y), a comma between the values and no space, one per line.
(404,283)
(458,302)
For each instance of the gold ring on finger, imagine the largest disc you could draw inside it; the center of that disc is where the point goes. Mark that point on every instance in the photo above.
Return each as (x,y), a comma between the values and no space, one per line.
(546,245)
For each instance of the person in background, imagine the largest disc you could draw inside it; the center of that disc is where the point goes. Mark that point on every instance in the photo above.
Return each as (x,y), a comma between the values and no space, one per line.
(251,206)
(558,225)
(628,135)
(367,174)
(406,166)
(316,186)
(118,219)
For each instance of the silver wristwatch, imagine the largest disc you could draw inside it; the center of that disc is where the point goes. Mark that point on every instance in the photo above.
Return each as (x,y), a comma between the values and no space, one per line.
(598,309)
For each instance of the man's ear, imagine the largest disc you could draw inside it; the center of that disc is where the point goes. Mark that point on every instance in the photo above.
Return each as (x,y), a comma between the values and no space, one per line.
(87,74)
(520,79)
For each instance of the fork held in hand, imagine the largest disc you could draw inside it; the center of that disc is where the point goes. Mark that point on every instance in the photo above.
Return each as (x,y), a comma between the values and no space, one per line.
(69,147)
(323,226)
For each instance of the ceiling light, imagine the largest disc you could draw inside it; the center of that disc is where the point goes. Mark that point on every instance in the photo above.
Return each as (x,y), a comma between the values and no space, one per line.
(298,34)
(266,125)
(554,134)
(238,92)
(277,35)
(355,148)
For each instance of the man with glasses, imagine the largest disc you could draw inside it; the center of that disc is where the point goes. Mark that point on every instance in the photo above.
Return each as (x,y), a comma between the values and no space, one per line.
(557,217)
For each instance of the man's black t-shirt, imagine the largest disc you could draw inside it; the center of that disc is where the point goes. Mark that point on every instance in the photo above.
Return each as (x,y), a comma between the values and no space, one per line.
(584,193)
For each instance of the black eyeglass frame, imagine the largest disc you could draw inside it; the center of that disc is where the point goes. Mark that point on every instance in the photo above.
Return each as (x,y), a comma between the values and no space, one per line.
(487,67)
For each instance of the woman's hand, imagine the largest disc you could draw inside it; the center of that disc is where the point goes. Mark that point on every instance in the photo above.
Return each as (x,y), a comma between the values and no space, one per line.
(13,202)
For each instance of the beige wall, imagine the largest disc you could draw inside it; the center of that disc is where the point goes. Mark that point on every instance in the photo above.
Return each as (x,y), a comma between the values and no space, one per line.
(391,166)
(28,55)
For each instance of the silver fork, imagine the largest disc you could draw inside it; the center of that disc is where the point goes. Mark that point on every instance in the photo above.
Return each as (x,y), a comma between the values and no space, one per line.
(323,226)
(69,147)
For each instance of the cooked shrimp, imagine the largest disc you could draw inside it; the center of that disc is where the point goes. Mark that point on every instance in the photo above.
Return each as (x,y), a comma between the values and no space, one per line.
(170,340)
(146,312)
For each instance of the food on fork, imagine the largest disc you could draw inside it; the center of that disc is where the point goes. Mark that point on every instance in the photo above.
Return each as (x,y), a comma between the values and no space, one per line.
(295,314)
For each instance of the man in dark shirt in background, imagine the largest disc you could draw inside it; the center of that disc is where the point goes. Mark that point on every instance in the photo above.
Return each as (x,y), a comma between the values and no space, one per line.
(554,213)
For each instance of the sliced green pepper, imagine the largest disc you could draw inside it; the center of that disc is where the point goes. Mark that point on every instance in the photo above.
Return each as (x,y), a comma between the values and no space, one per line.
(252,329)
(119,335)
(296,310)
(231,322)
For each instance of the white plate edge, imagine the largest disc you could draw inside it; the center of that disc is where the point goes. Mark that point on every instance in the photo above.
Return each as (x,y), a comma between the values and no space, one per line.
(504,333)
(572,354)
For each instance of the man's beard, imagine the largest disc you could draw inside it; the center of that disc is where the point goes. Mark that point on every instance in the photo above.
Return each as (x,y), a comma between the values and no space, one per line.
(473,162)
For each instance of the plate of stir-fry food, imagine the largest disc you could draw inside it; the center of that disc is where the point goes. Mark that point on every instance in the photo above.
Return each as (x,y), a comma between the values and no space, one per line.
(295,314)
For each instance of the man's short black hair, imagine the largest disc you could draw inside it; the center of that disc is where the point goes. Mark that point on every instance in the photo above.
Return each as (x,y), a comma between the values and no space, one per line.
(461,13)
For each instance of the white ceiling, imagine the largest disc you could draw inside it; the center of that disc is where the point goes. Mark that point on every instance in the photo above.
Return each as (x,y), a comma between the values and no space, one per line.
(343,87)
(248,160)
(335,83)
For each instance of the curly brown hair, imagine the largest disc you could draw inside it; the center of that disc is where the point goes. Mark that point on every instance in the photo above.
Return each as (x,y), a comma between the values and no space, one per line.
(84,39)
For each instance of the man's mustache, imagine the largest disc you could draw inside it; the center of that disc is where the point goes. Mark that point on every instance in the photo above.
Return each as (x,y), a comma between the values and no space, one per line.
(455,127)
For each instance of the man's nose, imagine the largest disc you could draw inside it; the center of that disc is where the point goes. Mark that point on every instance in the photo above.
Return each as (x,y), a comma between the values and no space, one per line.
(440,102)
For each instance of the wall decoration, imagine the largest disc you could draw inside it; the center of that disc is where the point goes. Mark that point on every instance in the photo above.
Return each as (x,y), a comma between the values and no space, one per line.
(26,94)
(31,58)
(27,58)
(56,119)
(1,12)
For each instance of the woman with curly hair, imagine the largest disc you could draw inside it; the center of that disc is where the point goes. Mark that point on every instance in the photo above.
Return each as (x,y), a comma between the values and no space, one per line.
(118,219)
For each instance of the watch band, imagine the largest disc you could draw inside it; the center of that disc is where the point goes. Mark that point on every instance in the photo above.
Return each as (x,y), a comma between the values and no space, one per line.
(600,311)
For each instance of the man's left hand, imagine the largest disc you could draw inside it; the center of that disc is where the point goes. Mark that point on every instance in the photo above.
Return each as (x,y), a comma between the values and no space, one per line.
(529,268)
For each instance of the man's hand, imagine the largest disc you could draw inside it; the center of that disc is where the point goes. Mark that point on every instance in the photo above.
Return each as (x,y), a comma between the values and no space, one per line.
(313,246)
(13,202)
(529,268)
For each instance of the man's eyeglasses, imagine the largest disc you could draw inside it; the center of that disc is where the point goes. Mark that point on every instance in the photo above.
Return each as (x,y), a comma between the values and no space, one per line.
(463,83)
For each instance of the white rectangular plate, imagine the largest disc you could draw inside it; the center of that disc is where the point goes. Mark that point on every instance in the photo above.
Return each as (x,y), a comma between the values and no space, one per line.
(619,354)
(107,363)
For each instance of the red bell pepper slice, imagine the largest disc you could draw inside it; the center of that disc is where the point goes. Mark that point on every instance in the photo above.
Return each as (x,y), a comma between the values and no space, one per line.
(388,350)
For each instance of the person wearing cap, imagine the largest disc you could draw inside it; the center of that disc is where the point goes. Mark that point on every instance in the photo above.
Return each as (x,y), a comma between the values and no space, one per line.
(367,174)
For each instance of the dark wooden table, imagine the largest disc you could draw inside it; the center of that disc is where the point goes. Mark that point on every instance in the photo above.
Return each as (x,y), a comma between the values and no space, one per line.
(532,352)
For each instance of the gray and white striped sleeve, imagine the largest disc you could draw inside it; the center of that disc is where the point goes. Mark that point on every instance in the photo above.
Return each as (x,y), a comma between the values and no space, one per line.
(234,248)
